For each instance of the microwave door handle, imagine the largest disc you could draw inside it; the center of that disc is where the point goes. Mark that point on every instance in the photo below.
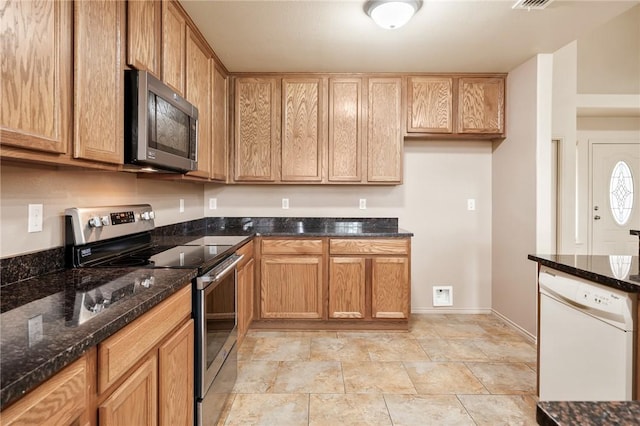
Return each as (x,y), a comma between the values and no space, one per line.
(205,280)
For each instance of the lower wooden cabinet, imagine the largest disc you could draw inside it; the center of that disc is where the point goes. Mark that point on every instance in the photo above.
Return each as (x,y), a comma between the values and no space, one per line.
(135,401)
(366,285)
(246,282)
(61,400)
(291,278)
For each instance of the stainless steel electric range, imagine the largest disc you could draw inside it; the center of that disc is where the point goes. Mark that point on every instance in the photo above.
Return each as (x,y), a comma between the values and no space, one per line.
(120,236)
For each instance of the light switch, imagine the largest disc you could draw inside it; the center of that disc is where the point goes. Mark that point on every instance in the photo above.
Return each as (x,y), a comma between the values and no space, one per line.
(36,212)
(471,204)
(285,203)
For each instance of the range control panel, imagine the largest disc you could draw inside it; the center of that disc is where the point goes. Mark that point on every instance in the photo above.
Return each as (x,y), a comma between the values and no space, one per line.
(92,224)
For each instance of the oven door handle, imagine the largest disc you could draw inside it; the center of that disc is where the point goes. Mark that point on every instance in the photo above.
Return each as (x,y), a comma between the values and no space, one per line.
(205,280)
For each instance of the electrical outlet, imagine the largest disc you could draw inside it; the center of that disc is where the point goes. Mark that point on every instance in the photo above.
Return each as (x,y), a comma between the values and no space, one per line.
(34,326)
(213,203)
(181,205)
(36,212)
(285,203)
(471,204)
(363,203)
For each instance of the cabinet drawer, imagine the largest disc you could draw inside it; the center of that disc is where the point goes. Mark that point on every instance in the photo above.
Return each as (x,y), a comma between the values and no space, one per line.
(59,400)
(120,352)
(292,246)
(369,246)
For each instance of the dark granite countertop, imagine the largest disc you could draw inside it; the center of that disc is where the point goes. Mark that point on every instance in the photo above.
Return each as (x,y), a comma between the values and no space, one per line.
(53,300)
(621,272)
(566,413)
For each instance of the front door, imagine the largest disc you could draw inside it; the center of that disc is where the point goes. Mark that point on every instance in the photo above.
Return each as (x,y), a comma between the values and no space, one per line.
(615,203)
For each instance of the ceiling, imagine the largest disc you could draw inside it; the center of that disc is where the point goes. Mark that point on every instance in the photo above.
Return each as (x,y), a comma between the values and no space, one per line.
(337,36)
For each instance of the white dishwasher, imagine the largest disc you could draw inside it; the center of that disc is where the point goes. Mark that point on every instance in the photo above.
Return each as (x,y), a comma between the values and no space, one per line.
(586,340)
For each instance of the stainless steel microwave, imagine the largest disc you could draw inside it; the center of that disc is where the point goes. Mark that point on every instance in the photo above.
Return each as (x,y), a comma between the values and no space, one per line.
(161,127)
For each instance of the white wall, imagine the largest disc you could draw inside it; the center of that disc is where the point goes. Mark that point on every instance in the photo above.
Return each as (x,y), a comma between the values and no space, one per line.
(60,189)
(520,193)
(451,245)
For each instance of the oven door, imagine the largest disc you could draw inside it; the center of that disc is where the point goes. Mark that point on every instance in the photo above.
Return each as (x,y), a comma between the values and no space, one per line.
(215,324)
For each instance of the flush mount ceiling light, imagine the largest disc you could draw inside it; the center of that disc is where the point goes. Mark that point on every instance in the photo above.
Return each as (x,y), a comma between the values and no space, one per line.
(391,14)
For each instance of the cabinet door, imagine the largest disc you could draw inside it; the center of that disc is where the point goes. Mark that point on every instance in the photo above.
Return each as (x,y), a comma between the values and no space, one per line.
(430,107)
(220,134)
(347,287)
(143,35)
(199,94)
(36,75)
(481,105)
(174,33)
(256,132)
(385,130)
(291,286)
(98,81)
(345,130)
(175,387)
(135,401)
(390,287)
(302,130)
(245,298)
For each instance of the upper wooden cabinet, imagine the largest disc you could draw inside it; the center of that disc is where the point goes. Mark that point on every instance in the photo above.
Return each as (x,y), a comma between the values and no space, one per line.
(144,38)
(255,131)
(481,105)
(37,75)
(198,69)
(345,130)
(220,131)
(98,57)
(454,106)
(174,34)
(430,104)
(302,145)
(384,130)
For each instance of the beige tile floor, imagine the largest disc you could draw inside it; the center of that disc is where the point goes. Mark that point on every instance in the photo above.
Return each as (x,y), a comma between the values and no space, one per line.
(448,370)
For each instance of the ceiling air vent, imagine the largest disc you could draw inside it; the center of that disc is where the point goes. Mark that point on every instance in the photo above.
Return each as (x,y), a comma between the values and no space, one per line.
(531,4)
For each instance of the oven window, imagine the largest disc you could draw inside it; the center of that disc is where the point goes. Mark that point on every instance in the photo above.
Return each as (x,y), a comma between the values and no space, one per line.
(168,127)
(220,316)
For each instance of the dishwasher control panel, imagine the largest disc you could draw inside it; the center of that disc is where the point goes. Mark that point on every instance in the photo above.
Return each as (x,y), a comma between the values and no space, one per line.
(613,306)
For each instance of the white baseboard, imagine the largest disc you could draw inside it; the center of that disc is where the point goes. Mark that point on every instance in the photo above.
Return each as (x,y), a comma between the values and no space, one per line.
(512,324)
(450,311)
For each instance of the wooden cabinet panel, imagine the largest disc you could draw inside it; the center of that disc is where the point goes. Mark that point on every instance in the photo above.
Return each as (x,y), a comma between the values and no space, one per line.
(291,246)
(345,130)
(135,401)
(245,298)
(256,133)
(143,35)
(60,400)
(220,133)
(481,105)
(175,387)
(122,350)
(430,105)
(198,70)
(302,144)
(174,33)
(390,287)
(35,110)
(291,287)
(385,129)
(347,287)
(369,246)
(98,125)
